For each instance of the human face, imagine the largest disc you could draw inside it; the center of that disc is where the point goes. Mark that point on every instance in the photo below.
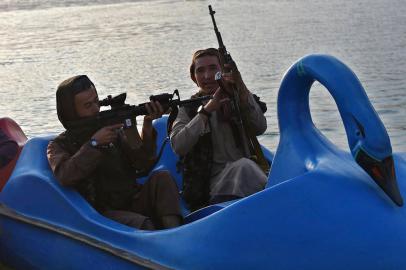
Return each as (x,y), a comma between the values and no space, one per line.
(87,103)
(205,69)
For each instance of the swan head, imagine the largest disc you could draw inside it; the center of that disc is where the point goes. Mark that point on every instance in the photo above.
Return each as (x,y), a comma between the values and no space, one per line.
(371,148)
(368,140)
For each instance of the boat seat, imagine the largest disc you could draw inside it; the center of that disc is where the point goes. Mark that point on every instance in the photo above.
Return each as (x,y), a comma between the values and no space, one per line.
(33,172)
(168,159)
(47,198)
(12,141)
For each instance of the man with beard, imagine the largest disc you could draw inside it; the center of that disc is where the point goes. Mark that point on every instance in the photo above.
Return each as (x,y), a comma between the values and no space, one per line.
(214,166)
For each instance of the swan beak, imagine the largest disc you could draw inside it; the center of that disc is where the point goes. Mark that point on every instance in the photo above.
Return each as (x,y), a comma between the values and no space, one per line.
(383,173)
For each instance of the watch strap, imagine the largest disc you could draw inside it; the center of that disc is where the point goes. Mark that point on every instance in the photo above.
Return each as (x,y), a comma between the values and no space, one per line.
(93,143)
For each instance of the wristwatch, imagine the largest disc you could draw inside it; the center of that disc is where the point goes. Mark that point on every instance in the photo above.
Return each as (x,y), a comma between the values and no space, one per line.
(203,111)
(93,142)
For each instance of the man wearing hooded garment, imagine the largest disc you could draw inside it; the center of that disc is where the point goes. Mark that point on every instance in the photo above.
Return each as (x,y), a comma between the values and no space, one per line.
(102,164)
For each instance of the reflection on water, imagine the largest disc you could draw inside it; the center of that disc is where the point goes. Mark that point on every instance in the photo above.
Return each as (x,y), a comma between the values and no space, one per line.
(144,48)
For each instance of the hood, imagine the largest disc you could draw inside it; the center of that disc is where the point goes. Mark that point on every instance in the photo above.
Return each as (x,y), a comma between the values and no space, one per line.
(65,97)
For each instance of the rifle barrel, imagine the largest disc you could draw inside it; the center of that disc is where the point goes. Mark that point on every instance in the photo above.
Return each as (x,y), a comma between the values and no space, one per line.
(212,12)
(192,100)
(218,35)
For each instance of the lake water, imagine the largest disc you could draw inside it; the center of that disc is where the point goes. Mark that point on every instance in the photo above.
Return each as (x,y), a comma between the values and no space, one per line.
(145,47)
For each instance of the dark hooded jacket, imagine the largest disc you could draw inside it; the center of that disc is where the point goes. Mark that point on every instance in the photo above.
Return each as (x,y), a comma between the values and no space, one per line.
(105,177)
(8,149)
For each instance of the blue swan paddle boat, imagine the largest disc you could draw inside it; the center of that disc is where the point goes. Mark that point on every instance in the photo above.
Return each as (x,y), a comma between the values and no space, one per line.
(323,208)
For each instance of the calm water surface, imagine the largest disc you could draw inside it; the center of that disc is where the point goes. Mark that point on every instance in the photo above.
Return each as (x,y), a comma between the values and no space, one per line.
(145,47)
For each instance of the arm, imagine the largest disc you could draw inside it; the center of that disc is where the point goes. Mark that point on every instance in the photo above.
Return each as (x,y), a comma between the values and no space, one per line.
(248,106)
(186,132)
(254,114)
(143,154)
(148,136)
(70,170)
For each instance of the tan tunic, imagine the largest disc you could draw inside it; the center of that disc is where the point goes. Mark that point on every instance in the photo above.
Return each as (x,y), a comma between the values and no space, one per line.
(232,174)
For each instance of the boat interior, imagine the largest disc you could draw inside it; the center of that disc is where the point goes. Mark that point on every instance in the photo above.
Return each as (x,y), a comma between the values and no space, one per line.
(61,203)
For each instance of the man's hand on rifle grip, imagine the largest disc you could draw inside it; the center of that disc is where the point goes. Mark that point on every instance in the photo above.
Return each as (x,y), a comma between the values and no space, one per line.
(233,77)
(107,135)
(155,111)
(215,103)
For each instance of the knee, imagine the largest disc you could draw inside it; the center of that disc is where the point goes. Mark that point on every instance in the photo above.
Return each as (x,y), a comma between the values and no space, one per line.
(162,178)
(148,225)
(244,162)
(162,175)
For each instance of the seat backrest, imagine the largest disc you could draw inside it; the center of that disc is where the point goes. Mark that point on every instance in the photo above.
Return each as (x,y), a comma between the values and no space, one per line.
(168,159)
(12,134)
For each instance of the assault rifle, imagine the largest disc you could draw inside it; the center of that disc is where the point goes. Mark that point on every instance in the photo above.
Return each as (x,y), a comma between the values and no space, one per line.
(126,114)
(225,58)
(224,54)
(251,148)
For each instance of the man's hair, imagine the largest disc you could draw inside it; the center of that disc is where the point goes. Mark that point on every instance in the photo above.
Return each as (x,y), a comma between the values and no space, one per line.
(65,96)
(201,53)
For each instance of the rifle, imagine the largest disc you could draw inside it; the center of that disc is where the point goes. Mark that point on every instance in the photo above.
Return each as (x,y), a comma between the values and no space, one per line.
(251,147)
(126,114)
(224,54)
(225,58)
